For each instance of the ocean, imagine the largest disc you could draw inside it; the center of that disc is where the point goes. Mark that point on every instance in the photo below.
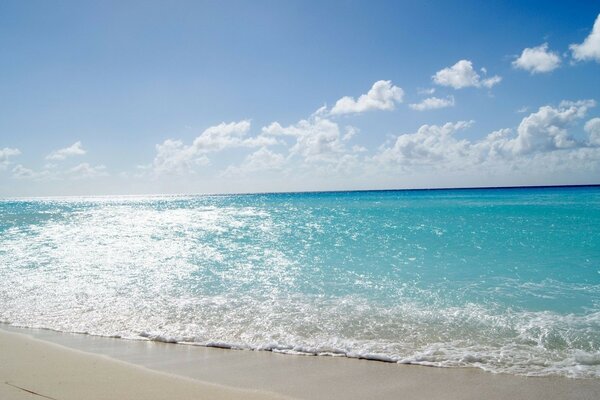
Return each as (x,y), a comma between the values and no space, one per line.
(506,280)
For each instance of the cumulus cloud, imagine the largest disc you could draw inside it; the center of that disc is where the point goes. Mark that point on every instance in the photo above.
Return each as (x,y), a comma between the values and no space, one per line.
(592,127)
(542,135)
(5,155)
(430,144)
(462,75)
(85,170)
(173,156)
(537,59)
(261,160)
(317,139)
(81,171)
(433,103)
(546,129)
(20,172)
(383,95)
(590,48)
(543,131)
(76,149)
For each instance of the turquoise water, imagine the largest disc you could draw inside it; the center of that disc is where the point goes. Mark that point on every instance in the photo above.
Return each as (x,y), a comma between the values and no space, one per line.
(507,280)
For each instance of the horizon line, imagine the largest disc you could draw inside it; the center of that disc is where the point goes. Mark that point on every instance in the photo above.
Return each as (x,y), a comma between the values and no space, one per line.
(513,187)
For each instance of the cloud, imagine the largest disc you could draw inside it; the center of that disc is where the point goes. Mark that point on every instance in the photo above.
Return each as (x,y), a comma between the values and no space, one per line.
(590,48)
(537,59)
(173,156)
(543,131)
(222,136)
(74,150)
(542,135)
(432,103)
(261,160)
(546,130)
(426,91)
(20,172)
(592,127)
(462,75)
(81,171)
(85,170)
(317,139)
(382,96)
(5,155)
(430,144)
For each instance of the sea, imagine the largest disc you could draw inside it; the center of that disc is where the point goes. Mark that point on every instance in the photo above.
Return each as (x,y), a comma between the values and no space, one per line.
(505,280)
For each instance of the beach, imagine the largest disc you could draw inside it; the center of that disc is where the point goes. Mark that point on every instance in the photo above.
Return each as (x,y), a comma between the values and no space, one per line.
(31,368)
(299,200)
(45,364)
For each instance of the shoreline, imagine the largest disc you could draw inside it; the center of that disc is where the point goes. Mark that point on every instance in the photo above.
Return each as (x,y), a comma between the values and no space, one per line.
(273,375)
(31,368)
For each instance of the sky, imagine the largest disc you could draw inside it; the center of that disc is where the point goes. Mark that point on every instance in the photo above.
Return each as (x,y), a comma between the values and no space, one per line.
(141,97)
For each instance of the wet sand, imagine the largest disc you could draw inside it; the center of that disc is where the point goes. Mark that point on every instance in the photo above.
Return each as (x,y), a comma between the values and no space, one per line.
(71,366)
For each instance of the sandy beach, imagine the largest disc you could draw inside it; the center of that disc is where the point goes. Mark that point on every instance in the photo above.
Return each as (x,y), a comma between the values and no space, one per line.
(45,364)
(35,369)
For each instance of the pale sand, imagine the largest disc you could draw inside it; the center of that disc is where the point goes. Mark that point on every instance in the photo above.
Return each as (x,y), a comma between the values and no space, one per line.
(33,369)
(254,374)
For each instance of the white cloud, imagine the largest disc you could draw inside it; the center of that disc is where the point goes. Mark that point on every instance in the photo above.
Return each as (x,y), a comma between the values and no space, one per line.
(317,139)
(462,75)
(173,156)
(222,136)
(81,171)
(590,48)
(75,149)
(430,144)
(433,103)
(382,96)
(542,136)
(5,155)
(20,172)
(426,91)
(546,130)
(85,170)
(543,131)
(537,59)
(523,110)
(261,160)
(592,127)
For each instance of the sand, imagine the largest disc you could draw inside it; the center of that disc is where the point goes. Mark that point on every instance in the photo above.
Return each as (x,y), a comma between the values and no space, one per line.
(34,369)
(124,369)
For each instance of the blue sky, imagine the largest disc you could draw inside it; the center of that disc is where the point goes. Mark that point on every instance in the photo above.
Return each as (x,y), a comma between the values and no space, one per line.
(241,96)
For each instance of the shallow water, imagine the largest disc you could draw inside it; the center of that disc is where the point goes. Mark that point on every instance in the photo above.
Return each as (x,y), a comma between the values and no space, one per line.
(507,280)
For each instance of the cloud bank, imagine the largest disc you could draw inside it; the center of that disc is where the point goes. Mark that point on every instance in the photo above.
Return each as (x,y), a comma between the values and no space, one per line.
(542,135)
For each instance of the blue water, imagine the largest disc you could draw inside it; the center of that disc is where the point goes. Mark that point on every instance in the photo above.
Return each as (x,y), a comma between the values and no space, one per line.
(507,280)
